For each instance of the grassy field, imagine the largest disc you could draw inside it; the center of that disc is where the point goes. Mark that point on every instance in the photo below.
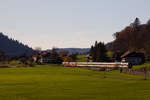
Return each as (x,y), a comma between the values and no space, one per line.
(147,64)
(53,82)
(82,58)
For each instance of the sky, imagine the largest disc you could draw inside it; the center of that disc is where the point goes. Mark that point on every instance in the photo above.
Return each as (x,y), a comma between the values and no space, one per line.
(68,23)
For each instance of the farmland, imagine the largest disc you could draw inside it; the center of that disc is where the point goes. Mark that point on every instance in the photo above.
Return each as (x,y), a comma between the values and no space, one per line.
(54,82)
(82,58)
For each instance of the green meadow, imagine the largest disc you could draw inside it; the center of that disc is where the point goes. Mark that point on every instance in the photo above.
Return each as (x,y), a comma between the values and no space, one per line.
(54,82)
(82,58)
(147,64)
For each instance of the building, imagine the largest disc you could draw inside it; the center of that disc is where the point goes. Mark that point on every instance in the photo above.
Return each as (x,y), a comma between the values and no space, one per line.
(135,58)
(46,57)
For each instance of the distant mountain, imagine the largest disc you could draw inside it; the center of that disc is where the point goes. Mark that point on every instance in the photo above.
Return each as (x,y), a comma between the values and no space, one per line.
(13,47)
(74,50)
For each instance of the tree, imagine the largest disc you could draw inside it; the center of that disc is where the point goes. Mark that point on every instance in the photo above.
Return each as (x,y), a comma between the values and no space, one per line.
(62,53)
(73,57)
(67,59)
(136,23)
(133,39)
(98,52)
(147,50)
(54,53)
(130,38)
(2,56)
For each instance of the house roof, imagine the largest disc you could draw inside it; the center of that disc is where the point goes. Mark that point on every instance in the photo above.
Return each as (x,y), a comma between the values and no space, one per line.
(125,54)
(132,54)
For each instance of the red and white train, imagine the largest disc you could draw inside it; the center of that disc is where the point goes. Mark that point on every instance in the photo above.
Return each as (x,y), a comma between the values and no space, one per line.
(97,64)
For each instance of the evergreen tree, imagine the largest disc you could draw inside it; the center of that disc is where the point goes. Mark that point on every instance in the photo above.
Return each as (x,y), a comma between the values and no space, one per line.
(136,23)
(98,52)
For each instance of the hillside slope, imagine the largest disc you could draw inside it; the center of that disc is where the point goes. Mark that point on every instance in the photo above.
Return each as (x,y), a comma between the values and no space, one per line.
(13,47)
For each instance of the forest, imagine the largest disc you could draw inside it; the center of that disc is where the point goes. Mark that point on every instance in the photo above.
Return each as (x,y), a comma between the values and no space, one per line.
(11,47)
(135,37)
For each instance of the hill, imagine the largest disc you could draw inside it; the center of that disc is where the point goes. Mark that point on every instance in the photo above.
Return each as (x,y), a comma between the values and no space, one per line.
(13,47)
(135,37)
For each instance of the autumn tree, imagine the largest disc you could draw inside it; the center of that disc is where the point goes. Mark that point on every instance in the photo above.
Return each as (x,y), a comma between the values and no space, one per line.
(62,53)
(67,59)
(134,38)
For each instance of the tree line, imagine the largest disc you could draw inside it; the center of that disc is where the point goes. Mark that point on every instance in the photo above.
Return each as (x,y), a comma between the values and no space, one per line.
(98,52)
(135,37)
(13,47)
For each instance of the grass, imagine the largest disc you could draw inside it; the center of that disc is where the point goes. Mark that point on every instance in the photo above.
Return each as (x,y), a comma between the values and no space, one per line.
(82,58)
(14,63)
(147,64)
(54,82)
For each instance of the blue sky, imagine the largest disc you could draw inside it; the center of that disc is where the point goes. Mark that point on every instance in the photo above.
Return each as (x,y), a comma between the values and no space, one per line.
(68,23)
